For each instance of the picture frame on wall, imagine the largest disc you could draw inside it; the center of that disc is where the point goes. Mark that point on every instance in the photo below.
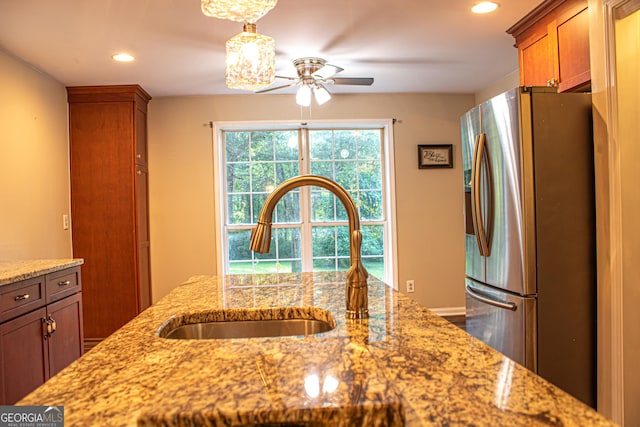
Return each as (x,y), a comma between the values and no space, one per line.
(435,156)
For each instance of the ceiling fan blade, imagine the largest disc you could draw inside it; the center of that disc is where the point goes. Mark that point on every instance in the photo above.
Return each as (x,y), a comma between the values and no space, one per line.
(327,71)
(286,77)
(363,81)
(269,89)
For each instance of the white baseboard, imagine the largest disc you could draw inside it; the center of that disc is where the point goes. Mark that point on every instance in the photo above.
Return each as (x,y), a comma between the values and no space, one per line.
(449,311)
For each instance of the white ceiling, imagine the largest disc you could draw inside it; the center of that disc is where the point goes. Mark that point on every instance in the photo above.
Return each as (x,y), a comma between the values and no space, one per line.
(406,45)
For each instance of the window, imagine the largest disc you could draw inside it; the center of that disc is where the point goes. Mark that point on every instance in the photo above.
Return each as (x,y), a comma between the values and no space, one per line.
(310,227)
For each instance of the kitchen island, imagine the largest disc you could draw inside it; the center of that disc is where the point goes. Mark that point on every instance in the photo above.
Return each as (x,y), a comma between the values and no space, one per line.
(402,366)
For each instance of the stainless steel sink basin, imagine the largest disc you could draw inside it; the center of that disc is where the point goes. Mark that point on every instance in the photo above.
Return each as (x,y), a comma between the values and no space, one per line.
(251,324)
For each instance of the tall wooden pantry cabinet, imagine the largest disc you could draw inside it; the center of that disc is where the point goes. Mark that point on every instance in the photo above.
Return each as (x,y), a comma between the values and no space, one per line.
(109,203)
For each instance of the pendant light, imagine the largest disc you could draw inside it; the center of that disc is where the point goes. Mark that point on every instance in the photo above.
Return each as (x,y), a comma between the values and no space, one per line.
(250,60)
(237,10)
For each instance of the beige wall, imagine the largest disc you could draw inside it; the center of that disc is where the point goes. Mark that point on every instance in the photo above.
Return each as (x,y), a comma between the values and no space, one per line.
(34,163)
(429,202)
(509,81)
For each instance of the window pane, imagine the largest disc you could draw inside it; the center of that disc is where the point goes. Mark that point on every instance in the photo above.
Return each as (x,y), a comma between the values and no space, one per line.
(289,250)
(262,179)
(322,264)
(344,264)
(288,208)
(341,212)
(239,245)
(261,146)
(322,205)
(370,205)
(321,144)
(345,144)
(239,209)
(370,175)
(343,241)
(331,242)
(324,168)
(286,145)
(258,201)
(374,266)
(369,144)
(289,243)
(237,146)
(372,240)
(323,241)
(286,170)
(238,178)
(346,175)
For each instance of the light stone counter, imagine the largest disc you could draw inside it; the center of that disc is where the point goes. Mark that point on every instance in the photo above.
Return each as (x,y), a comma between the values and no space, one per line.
(15,271)
(405,365)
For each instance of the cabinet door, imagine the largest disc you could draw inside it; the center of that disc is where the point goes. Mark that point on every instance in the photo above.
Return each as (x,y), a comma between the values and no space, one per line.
(573,52)
(142,219)
(141,134)
(23,356)
(66,343)
(537,68)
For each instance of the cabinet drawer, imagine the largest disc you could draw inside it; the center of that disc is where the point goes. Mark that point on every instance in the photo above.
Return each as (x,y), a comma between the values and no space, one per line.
(62,284)
(21,297)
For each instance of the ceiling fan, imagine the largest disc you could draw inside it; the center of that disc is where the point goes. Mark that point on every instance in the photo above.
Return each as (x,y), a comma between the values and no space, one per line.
(314,74)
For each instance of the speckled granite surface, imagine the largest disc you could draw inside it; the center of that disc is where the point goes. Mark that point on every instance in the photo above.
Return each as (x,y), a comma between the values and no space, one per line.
(15,271)
(404,365)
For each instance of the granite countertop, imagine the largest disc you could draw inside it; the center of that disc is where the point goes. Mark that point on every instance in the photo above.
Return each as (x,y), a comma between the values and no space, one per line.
(15,271)
(403,366)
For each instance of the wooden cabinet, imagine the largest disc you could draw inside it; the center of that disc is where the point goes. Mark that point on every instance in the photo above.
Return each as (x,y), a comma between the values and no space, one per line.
(39,340)
(553,45)
(109,203)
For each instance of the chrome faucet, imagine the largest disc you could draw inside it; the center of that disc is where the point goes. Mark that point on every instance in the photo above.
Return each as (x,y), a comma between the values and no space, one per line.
(356,290)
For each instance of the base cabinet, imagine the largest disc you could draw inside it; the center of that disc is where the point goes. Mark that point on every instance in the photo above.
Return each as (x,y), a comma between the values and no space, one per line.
(36,345)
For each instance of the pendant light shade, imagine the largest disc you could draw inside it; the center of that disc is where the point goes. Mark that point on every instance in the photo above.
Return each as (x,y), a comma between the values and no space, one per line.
(303,96)
(237,10)
(321,94)
(250,60)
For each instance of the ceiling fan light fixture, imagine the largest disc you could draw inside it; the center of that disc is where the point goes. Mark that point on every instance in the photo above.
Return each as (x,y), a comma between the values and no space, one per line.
(237,10)
(303,96)
(321,94)
(250,60)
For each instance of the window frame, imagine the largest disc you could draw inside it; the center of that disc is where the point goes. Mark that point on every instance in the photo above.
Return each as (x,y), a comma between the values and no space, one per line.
(388,177)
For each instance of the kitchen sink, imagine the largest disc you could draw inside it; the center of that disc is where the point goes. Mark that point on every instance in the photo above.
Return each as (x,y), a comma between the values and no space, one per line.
(254,324)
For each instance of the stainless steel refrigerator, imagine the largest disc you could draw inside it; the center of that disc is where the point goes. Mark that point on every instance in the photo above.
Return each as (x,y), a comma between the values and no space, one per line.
(530,233)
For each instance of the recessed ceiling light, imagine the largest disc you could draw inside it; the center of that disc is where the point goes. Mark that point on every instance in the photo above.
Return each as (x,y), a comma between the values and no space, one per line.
(484,7)
(123,57)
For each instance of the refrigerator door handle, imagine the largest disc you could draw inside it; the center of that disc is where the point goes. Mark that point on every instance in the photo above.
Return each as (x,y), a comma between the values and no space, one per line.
(489,203)
(506,305)
(481,158)
(475,195)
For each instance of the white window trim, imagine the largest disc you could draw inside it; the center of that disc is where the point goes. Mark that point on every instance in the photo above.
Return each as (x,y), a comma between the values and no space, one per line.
(391,274)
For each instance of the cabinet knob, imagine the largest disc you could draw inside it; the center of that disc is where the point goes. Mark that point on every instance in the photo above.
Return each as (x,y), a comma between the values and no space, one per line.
(22,297)
(138,156)
(139,172)
(553,82)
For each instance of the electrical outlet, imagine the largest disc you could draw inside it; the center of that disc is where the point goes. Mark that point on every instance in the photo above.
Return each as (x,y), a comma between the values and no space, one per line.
(411,286)
(65,222)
